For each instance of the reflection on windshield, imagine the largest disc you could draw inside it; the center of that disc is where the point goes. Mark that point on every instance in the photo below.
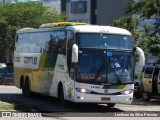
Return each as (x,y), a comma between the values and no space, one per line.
(119,67)
(104,66)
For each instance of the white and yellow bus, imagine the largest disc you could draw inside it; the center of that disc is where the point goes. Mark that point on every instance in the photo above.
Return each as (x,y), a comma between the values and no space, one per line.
(76,62)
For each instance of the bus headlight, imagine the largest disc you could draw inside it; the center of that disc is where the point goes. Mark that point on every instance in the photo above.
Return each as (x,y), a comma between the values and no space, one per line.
(82,90)
(126,92)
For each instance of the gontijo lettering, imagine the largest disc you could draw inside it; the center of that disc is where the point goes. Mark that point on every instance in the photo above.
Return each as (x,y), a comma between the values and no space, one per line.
(30,60)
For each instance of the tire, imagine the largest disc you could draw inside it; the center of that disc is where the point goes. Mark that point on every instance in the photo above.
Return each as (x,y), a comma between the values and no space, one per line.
(0,81)
(111,104)
(61,99)
(23,89)
(146,96)
(28,91)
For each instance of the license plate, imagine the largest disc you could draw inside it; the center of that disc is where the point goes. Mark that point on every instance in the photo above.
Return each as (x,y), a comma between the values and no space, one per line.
(105,99)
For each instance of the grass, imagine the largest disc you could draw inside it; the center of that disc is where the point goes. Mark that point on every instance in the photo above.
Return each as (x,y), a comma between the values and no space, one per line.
(6,106)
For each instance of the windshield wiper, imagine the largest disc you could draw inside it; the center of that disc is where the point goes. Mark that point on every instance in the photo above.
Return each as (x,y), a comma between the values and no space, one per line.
(119,79)
(99,71)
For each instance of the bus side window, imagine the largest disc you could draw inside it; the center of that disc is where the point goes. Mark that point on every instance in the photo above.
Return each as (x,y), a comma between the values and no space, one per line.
(52,43)
(61,36)
(70,42)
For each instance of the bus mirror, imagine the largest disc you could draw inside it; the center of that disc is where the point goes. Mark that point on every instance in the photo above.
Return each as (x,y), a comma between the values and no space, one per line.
(141,61)
(74,53)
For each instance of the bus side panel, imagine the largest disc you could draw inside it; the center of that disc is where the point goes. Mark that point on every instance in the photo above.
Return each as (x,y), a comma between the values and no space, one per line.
(29,66)
(61,75)
(48,73)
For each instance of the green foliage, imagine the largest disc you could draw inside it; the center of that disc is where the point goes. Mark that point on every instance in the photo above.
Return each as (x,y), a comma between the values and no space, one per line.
(130,23)
(153,44)
(127,22)
(20,15)
(146,8)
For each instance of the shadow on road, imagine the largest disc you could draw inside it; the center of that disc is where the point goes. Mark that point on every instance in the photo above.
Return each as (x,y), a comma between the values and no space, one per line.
(153,102)
(45,104)
(14,102)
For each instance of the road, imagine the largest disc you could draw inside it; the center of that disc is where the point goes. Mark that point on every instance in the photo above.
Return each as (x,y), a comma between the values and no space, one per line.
(49,106)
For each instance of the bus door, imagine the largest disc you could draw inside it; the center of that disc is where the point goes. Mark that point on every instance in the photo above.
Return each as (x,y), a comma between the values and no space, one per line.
(147,79)
(155,81)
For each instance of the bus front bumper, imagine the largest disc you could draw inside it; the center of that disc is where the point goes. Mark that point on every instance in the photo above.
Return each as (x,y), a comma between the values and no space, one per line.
(94,98)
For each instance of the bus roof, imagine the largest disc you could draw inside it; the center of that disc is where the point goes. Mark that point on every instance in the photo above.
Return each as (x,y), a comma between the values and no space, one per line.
(98,29)
(83,29)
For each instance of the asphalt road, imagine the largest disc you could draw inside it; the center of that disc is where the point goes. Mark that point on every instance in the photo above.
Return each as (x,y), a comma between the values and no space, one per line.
(49,107)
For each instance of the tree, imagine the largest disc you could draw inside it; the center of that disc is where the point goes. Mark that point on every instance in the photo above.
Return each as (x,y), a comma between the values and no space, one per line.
(130,23)
(145,8)
(148,9)
(20,15)
(153,44)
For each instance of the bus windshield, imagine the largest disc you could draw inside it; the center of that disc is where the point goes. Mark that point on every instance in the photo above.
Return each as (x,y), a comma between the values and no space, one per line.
(104,41)
(105,65)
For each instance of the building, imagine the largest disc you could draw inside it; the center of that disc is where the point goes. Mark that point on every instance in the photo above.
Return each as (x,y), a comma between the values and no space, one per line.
(82,11)
(101,12)
(110,10)
(53,4)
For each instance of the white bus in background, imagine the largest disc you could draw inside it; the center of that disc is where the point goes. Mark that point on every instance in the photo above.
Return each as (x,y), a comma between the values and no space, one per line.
(76,62)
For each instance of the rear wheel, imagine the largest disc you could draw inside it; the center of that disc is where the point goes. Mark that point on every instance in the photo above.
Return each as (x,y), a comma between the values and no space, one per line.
(27,88)
(23,89)
(111,104)
(146,97)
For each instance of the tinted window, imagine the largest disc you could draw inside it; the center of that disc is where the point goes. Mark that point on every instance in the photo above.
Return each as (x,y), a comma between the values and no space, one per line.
(61,36)
(104,41)
(148,72)
(53,43)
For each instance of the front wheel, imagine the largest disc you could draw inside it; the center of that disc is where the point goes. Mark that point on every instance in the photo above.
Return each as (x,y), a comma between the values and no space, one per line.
(111,104)
(62,101)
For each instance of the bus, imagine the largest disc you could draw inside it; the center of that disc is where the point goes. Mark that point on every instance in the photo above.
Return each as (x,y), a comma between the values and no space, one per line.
(76,62)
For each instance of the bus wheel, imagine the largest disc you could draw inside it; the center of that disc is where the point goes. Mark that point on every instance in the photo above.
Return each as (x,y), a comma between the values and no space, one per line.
(27,88)
(23,89)
(146,97)
(111,104)
(62,101)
